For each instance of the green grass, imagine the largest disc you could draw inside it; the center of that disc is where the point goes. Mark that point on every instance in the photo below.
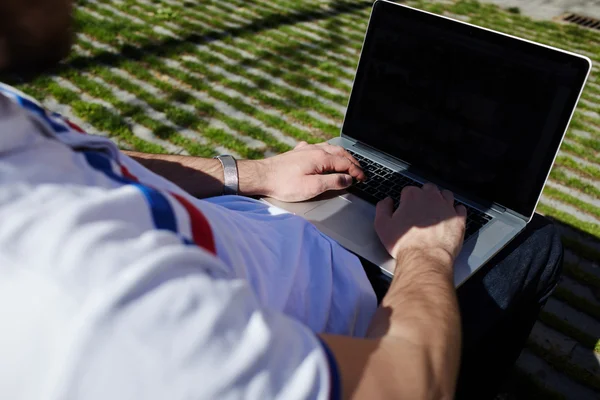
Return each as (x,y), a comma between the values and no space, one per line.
(572,200)
(304,101)
(285,58)
(585,170)
(134,112)
(283,69)
(558,175)
(580,150)
(197,84)
(197,121)
(587,227)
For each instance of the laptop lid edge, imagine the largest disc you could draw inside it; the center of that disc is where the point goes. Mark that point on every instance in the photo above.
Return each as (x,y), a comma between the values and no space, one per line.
(356,71)
(589,62)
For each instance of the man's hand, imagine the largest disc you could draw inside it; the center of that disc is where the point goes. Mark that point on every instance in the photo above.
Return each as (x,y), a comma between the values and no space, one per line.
(310,170)
(426,222)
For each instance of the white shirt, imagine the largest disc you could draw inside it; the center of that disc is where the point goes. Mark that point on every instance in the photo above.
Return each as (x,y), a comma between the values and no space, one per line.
(116,284)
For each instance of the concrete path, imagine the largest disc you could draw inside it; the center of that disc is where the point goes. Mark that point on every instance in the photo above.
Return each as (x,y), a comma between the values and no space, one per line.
(548,9)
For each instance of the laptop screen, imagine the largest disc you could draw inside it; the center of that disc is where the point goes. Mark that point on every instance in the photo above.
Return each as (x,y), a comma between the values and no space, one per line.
(482,112)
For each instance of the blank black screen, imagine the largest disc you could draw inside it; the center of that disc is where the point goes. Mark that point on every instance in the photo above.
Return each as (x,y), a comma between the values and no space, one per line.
(480,111)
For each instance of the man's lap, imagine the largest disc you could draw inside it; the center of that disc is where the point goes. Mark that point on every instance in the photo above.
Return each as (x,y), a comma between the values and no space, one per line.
(501,304)
(526,271)
(291,266)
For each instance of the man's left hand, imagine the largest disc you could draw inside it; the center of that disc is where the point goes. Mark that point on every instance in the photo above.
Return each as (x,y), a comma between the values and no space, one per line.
(310,170)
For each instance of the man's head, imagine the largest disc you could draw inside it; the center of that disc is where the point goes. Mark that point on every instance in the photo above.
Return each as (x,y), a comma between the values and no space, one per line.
(34,34)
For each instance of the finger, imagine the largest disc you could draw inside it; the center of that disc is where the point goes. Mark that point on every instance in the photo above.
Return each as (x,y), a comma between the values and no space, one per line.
(339,151)
(408,191)
(335,163)
(448,196)
(334,182)
(430,187)
(383,212)
(461,211)
(300,145)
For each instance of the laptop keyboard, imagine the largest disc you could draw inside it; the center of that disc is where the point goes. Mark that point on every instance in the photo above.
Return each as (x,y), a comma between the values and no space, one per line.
(382,182)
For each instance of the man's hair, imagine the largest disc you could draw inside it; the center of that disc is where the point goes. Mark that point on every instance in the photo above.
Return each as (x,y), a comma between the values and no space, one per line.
(34,34)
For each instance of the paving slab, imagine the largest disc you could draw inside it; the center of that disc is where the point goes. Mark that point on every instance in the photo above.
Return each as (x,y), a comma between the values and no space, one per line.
(548,9)
(576,319)
(550,379)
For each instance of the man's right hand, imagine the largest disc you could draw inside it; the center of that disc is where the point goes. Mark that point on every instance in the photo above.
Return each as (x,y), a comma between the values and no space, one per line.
(426,222)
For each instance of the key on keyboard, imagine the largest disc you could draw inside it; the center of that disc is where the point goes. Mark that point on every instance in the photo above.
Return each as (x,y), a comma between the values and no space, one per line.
(382,182)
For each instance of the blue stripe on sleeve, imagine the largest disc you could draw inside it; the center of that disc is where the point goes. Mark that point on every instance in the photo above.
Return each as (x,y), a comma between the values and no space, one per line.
(162,212)
(334,373)
(31,106)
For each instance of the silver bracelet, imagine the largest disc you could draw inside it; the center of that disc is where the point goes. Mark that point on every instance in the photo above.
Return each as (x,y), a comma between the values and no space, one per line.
(231,179)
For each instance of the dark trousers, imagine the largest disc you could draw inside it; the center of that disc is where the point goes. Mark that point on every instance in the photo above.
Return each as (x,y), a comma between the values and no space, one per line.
(499,306)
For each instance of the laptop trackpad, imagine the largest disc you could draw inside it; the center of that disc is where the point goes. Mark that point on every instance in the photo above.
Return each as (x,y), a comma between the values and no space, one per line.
(345,218)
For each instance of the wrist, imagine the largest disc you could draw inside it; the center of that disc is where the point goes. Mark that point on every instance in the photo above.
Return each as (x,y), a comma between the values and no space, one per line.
(254,178)
(434,259)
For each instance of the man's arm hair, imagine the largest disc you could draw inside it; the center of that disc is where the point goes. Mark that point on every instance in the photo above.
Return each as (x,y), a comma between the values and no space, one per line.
(413,347)
(201,177)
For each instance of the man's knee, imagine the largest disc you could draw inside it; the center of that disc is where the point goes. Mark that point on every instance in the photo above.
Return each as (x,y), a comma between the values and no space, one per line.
(546,242)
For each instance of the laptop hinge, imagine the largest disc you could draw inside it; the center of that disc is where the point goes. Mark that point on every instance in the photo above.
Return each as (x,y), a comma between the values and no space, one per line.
(519,216)
(350,139)
(361,145)
(378,153)
(498,208)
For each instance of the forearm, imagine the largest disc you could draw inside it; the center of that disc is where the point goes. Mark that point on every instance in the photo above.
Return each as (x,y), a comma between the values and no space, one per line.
(203,177)
(421,295)
(413,345)
(421,308)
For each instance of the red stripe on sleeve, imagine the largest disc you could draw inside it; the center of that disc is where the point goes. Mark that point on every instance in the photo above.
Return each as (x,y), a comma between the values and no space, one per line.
(74,126)
(201,232)
(128,174)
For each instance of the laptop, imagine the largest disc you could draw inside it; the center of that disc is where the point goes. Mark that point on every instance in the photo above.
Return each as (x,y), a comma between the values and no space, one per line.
(474,111)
